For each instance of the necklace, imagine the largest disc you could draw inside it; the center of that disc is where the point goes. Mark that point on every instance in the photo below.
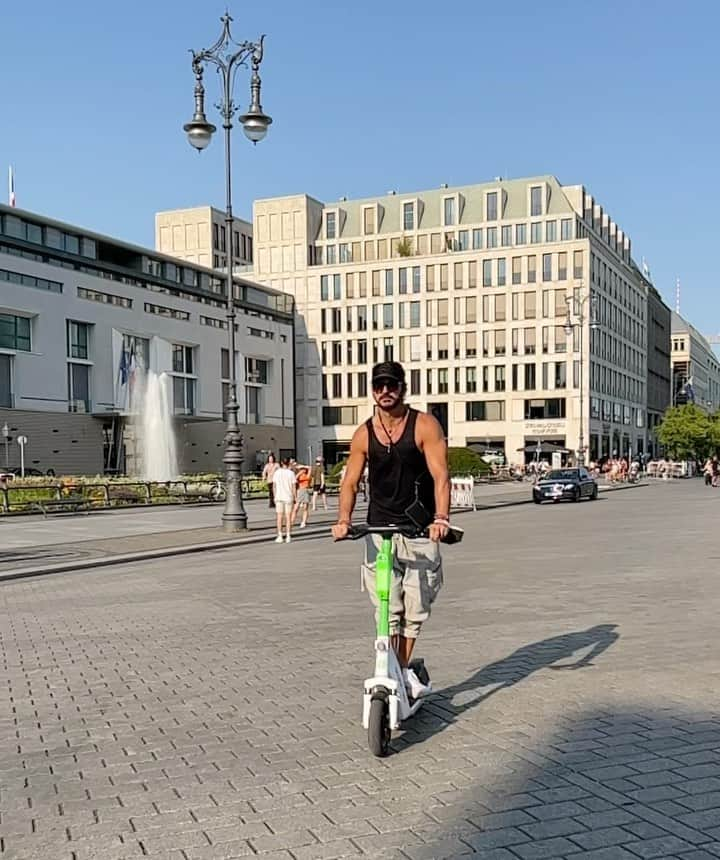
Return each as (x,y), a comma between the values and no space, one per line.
(389,433)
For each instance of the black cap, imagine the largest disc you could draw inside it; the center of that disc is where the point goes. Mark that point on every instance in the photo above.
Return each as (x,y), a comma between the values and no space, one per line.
(389,370)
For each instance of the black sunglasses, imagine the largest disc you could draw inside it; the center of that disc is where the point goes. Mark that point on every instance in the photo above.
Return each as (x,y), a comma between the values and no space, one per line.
(390,384)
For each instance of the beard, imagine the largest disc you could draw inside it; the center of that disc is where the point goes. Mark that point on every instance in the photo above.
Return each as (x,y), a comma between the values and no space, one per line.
(389,402)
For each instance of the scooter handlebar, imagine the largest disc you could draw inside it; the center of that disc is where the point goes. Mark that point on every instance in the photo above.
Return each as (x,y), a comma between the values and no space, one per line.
(454,535)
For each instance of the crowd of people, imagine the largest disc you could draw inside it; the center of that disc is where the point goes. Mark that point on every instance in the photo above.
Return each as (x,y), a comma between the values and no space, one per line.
(615,469)
(294,489)
(711,472)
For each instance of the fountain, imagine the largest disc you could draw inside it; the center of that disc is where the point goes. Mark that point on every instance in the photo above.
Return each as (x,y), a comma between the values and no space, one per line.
(159,450)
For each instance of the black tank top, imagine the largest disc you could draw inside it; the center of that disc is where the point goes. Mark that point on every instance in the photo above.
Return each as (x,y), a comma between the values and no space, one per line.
(397,476)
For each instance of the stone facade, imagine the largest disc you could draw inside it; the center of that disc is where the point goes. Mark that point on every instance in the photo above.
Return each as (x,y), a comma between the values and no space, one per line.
(470,288)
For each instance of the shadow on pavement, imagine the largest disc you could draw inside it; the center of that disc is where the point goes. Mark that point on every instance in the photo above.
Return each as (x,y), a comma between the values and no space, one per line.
(611,783)
(507,672)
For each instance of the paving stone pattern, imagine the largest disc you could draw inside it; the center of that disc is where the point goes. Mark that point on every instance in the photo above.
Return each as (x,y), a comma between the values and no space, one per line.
(208,706)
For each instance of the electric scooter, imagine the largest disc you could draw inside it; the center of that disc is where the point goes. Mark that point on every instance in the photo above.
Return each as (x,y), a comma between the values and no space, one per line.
(386,703)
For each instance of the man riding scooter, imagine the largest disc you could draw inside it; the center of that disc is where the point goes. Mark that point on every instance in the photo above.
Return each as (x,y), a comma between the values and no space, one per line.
(409,486)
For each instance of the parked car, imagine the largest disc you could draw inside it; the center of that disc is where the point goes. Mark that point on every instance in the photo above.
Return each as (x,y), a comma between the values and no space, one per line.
(15,471)
(570,484)
(493,458)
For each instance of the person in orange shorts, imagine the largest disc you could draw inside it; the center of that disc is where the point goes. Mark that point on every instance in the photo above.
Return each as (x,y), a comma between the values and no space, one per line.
(303,495)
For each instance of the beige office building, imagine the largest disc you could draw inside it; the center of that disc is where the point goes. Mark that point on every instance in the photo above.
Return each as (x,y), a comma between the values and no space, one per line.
(469,288)
(200,235)
(695,367)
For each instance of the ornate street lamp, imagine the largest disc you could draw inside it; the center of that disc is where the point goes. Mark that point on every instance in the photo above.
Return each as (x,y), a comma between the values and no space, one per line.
(227,56)
(579,313)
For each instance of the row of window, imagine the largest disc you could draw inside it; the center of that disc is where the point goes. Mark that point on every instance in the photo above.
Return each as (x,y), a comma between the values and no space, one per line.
(522,341)
(15,330)
(491,308)
(242,244)
(171,313)
(15,227)
(15,334)
(493,272)
(184,397)
(618,413)
(607,279)
(475,410)
(610,382)
(30,281)
(51,237)
(508,236)
(134,263)
(551,408)
(493,203)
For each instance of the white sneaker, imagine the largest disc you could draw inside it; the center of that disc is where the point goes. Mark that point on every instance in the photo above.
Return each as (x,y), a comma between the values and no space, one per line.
(302,525)
(414,685)
(287,539)
(279,539)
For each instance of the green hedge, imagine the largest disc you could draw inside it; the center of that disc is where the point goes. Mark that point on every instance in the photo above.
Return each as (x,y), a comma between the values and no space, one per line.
(463,462)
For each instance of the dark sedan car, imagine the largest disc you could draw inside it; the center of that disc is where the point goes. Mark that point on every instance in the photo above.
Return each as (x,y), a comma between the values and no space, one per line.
(16,471)
(569,484)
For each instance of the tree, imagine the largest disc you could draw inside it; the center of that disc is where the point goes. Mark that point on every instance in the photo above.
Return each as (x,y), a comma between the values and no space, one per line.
(687,431)
(404,247)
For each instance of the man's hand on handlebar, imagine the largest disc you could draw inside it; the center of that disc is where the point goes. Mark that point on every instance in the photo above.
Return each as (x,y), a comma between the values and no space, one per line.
(340,530)
(438,530)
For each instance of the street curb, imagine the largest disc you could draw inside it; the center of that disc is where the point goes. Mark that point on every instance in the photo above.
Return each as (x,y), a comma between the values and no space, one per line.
(80,565)
(146,555)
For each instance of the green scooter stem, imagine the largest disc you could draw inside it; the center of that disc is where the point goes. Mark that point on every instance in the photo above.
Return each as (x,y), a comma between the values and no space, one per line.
(383,578)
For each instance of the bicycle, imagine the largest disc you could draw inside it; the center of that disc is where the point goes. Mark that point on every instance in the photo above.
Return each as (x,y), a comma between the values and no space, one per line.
(386,703)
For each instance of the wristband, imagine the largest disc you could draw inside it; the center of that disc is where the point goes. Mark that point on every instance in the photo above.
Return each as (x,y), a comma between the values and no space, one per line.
(439,518)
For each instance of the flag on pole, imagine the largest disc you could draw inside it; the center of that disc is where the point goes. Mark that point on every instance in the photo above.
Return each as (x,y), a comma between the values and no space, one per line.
(689,390)
(11,186)
(124,367)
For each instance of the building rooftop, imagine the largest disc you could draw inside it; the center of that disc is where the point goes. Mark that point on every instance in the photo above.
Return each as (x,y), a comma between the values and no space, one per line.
(218,214)
(34,236)
(679,325)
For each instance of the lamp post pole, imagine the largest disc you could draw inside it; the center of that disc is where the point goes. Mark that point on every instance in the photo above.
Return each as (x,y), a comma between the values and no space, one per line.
(7,437)
(227,56)
(579,313)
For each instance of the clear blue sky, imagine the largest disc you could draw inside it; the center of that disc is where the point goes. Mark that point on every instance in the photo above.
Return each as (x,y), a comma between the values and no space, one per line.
(619,96)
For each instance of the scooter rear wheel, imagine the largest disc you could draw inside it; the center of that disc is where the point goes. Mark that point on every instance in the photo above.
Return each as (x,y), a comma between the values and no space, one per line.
(379,728)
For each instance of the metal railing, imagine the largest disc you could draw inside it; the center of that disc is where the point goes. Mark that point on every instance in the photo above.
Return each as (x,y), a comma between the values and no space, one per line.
(27,498)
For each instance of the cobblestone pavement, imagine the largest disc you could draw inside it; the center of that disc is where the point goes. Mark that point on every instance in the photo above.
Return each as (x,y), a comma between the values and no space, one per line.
(208,707)
(31,543)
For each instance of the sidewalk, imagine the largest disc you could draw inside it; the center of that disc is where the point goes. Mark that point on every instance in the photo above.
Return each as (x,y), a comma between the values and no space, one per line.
(34,547)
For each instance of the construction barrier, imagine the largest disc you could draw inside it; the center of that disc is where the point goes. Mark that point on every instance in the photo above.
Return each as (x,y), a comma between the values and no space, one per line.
(462,493)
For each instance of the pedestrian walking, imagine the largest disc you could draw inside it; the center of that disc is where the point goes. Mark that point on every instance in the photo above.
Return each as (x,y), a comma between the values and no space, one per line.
(267,475)
(302,501)
(317,479)
(284,486)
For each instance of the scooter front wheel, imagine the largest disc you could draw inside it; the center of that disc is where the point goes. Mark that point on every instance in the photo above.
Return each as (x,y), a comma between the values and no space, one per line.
(379,727)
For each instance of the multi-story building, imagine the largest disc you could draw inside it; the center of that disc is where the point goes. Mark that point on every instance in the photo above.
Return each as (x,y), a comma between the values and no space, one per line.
(470,288)
(84,316)
(200,235)
(714,341)
(659,383)
(695,367)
